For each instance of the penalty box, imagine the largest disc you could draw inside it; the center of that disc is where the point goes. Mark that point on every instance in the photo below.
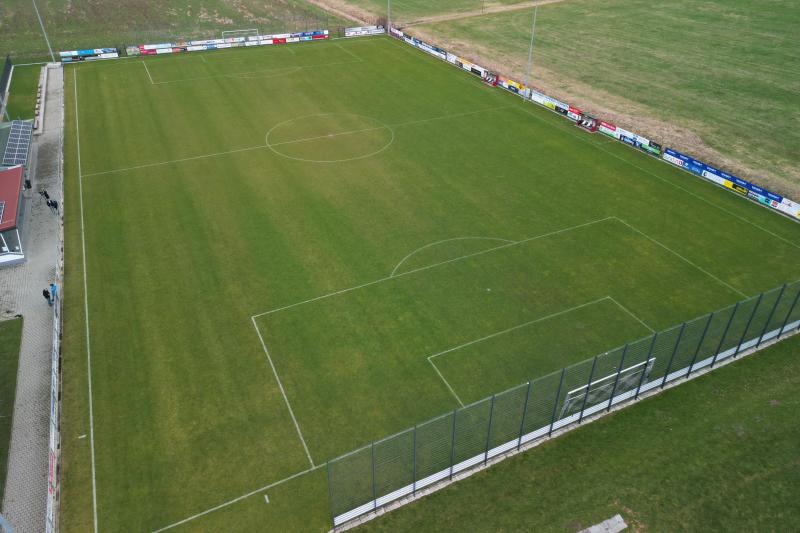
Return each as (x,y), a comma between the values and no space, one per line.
(355,363)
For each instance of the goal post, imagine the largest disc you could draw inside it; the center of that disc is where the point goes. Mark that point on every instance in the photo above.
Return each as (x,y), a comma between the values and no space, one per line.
(229,34)
(600,390)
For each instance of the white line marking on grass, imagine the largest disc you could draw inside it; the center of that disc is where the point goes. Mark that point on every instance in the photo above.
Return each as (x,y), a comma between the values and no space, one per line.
(44,32)
(240,498)
(519,326)
(266,498)
(442,242)
(262,146)
(453,392)
(584,138)
(148,73)
(667,248)
(294,68)
(348,52)
(435,265)
(639,320)
(283,392)
(86,302)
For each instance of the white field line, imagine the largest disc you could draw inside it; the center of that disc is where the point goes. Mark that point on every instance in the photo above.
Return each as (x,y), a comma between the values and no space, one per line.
(86,302)
(639,320)
(435,265)
(452,391)
(430,245)
(330,135)
(239,498)
(283,393)
(518,326)
(348,52)
(667,248)
(148,73)
(276,71)
(44,32)
(583,138)
(263,146)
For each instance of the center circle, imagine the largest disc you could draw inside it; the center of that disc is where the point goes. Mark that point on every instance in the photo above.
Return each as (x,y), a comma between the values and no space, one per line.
(330,138)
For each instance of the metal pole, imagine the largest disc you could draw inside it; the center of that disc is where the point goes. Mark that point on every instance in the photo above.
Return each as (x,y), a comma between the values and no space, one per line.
(672,357)
(530,50)
(725,334)
(374,490)
(616,380)
(453,445)
(747,327)
(555,405)
(489,433)
(699,345)
(389,17)
(769,318)
(330,495)
(789,314)
(525,414)
(646,364)
(588,387)
(414,464)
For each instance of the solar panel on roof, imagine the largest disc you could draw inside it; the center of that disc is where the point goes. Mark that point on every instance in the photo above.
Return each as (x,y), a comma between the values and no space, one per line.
(19,140)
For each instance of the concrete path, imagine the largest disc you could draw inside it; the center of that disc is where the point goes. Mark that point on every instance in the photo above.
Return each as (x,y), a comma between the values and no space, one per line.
(24,503)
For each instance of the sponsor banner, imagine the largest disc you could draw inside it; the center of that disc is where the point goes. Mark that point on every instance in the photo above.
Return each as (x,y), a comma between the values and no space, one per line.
(608,129)
(511,85)
(573,113)
(733,183)
(396,33)
(363,31)
(433,50)
(156,46)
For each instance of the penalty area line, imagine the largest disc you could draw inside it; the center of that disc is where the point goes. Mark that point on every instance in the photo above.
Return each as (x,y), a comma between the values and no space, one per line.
(239,498)
(283,392)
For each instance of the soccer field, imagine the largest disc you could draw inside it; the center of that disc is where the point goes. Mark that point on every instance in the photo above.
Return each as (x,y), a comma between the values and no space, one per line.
(289,252)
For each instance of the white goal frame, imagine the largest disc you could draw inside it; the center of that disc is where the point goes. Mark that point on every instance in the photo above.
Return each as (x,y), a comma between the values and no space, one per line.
(607,385)
(240,33)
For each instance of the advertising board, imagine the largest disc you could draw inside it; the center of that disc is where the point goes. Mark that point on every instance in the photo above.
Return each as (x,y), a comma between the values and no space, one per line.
(364,31)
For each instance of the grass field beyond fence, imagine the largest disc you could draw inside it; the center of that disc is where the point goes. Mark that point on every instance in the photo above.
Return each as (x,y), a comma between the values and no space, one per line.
(10,339)
(278,239)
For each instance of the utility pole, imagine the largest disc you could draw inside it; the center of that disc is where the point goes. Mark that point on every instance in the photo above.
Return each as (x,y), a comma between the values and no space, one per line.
(530,50)
(389,16)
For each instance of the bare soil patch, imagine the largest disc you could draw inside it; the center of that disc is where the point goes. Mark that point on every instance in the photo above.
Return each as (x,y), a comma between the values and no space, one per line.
(346,11)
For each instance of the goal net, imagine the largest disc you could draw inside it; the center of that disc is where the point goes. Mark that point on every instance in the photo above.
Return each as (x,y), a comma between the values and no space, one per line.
(231,34)
(600,390)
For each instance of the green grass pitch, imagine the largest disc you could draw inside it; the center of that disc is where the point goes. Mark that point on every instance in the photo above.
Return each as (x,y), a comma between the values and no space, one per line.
(401,237)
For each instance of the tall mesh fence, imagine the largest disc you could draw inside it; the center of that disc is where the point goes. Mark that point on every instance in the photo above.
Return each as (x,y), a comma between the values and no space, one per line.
(386,470)
(5,79)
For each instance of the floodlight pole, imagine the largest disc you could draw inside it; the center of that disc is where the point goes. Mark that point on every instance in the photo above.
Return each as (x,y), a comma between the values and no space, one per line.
(389,15)
(530,50)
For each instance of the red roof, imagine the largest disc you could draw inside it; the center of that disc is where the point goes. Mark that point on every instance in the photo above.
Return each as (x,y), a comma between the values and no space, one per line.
(10,187)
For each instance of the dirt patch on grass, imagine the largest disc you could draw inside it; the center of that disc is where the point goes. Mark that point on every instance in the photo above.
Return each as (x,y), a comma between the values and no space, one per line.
(620,111)
(346,11)
(447,17)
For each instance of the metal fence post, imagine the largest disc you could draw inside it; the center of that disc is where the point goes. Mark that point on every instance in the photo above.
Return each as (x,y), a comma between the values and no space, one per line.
(489,432)
(700,344)
(725,334)
(374,489)
(747,327)
(616,379)
(769,318)
(555,404)
(330,495)
(453,444)
(646,364)
(588,386)
(414,464)
(524,414)
(789,314)
(672,357)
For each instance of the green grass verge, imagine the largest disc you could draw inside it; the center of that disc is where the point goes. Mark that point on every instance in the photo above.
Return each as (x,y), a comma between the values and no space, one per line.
(76,25)
(10,339)
(22,96)
(717,454)
(193,225)
(720,69)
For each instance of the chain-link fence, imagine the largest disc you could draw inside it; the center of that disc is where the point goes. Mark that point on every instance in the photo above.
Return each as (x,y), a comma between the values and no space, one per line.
(407,462)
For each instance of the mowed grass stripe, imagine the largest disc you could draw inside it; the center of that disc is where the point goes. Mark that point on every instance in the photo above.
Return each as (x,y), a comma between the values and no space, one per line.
(180,256)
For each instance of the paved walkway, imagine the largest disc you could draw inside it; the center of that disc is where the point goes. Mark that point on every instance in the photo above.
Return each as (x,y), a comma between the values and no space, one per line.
(25,500)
